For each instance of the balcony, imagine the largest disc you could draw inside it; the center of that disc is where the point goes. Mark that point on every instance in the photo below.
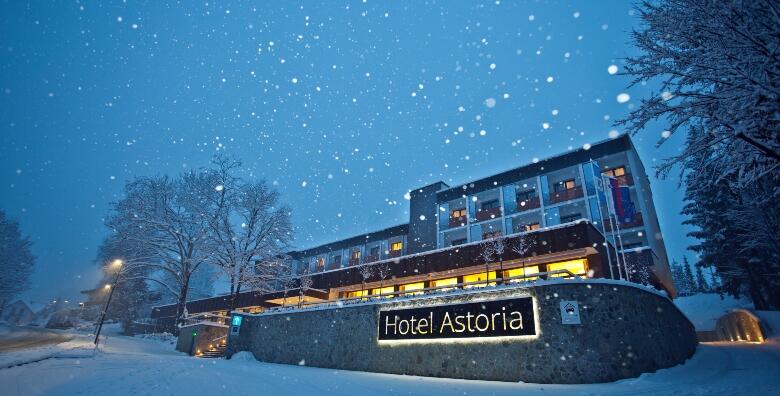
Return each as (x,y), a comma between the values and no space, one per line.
(370,258)
(457,221)
(636,221)
(566,195)
(353,262)
(625,180)
(334,265)
(395,253)
(528,204)
(487,214)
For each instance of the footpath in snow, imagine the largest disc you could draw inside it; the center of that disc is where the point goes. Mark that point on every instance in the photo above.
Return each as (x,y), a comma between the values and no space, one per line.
(135,366)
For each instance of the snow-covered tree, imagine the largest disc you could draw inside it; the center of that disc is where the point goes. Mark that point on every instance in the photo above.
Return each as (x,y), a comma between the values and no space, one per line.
(487,253)
(16,260)
(719,86)
(718,80)
(168,220)
(305,283)
(366,272)
(250,232)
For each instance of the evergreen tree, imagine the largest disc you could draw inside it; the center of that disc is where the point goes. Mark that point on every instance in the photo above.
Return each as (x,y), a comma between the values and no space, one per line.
(678,277)
(701,283)
(688,280)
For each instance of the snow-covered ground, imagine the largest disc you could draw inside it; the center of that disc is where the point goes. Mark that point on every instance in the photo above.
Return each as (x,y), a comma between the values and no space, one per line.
(138,366)
(704,309)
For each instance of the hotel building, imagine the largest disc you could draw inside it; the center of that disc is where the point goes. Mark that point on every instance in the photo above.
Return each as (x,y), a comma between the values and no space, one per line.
(542,220)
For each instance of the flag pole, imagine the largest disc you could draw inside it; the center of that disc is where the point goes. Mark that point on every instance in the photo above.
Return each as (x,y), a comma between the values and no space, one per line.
(612,226)
(601,215)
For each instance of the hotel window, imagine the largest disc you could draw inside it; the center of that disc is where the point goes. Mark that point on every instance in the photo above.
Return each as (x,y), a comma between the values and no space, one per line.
(576,267)
(570,218)
(320,264)
(523,273)
(375,252)
(619,171)
(445,282)
(411,287)
(385,290)
(479,277)
(491,235)
(458,242)
(458,213)
(532,226)
(525,195)
(335,261)
(355,255)
(564,185)
(492,204)
(396,246)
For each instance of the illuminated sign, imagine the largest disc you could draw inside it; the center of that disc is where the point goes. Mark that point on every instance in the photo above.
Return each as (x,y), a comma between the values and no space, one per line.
(235,325)
(498,318)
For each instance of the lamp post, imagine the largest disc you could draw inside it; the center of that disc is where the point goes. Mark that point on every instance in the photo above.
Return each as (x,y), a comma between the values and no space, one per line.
(108,301)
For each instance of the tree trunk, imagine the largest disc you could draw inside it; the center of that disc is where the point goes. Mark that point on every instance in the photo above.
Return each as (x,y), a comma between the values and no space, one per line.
(181,304)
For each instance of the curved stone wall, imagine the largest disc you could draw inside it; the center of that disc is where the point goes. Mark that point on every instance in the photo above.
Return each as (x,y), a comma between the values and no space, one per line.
(625,331)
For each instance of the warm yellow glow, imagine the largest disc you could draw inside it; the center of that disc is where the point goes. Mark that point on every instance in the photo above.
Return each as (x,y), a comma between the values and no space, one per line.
(479,277)
(445,282)
(107,287)
(530,270)
(576,267)
(384,290)
(409,287)
(117,263)
(357,293)
(395,246)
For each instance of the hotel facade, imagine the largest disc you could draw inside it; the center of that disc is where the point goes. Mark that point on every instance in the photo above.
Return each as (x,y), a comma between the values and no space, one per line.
(539,221)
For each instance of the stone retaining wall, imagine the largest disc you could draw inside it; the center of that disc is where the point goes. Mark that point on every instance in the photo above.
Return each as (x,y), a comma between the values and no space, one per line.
(625,331)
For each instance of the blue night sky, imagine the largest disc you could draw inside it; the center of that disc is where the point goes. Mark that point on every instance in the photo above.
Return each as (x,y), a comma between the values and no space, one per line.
(344,106)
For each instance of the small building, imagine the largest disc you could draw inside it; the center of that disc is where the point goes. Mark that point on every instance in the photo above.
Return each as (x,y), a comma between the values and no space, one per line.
(17,313)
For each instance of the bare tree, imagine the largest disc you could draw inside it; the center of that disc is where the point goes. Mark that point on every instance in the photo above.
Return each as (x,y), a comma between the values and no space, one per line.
(487,253)
(366,272)
(522,245)
(16,260)
(383,271)
(250,232)
(305,283)
(168,221)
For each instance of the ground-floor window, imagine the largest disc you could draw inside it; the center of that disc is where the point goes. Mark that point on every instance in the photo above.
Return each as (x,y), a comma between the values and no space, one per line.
(479,277)
(523,273)
(412,287)
(384,290)
(445,282)
(356,293)
(576,267)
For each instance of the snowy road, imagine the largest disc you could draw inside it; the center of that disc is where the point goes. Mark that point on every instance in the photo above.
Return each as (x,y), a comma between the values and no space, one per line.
(19,338)
(130,366)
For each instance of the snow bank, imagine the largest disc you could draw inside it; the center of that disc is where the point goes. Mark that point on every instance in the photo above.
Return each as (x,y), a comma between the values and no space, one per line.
(703,310)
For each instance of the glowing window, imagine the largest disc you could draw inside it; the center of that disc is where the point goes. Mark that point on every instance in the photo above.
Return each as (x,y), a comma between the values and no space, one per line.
(523,272)
(619,171)
(384,290)
(396,246)
(479,277)
(356,255)
(532,226)
(444,282)
(458,213)
(357,293)
(576,267)
(410,287)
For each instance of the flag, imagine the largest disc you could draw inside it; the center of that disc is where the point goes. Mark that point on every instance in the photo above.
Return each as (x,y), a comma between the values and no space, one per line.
(621,201)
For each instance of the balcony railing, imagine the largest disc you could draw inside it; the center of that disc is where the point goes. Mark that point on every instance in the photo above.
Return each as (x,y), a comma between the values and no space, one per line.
(625,180)
(457,221)
(395,253)
(371,258)
(353,262)
(487,214)
(528,204)
(566,195)
(333,265)
(636,221)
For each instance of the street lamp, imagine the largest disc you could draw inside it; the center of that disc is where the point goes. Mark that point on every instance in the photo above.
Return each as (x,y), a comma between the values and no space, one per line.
(118,264)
